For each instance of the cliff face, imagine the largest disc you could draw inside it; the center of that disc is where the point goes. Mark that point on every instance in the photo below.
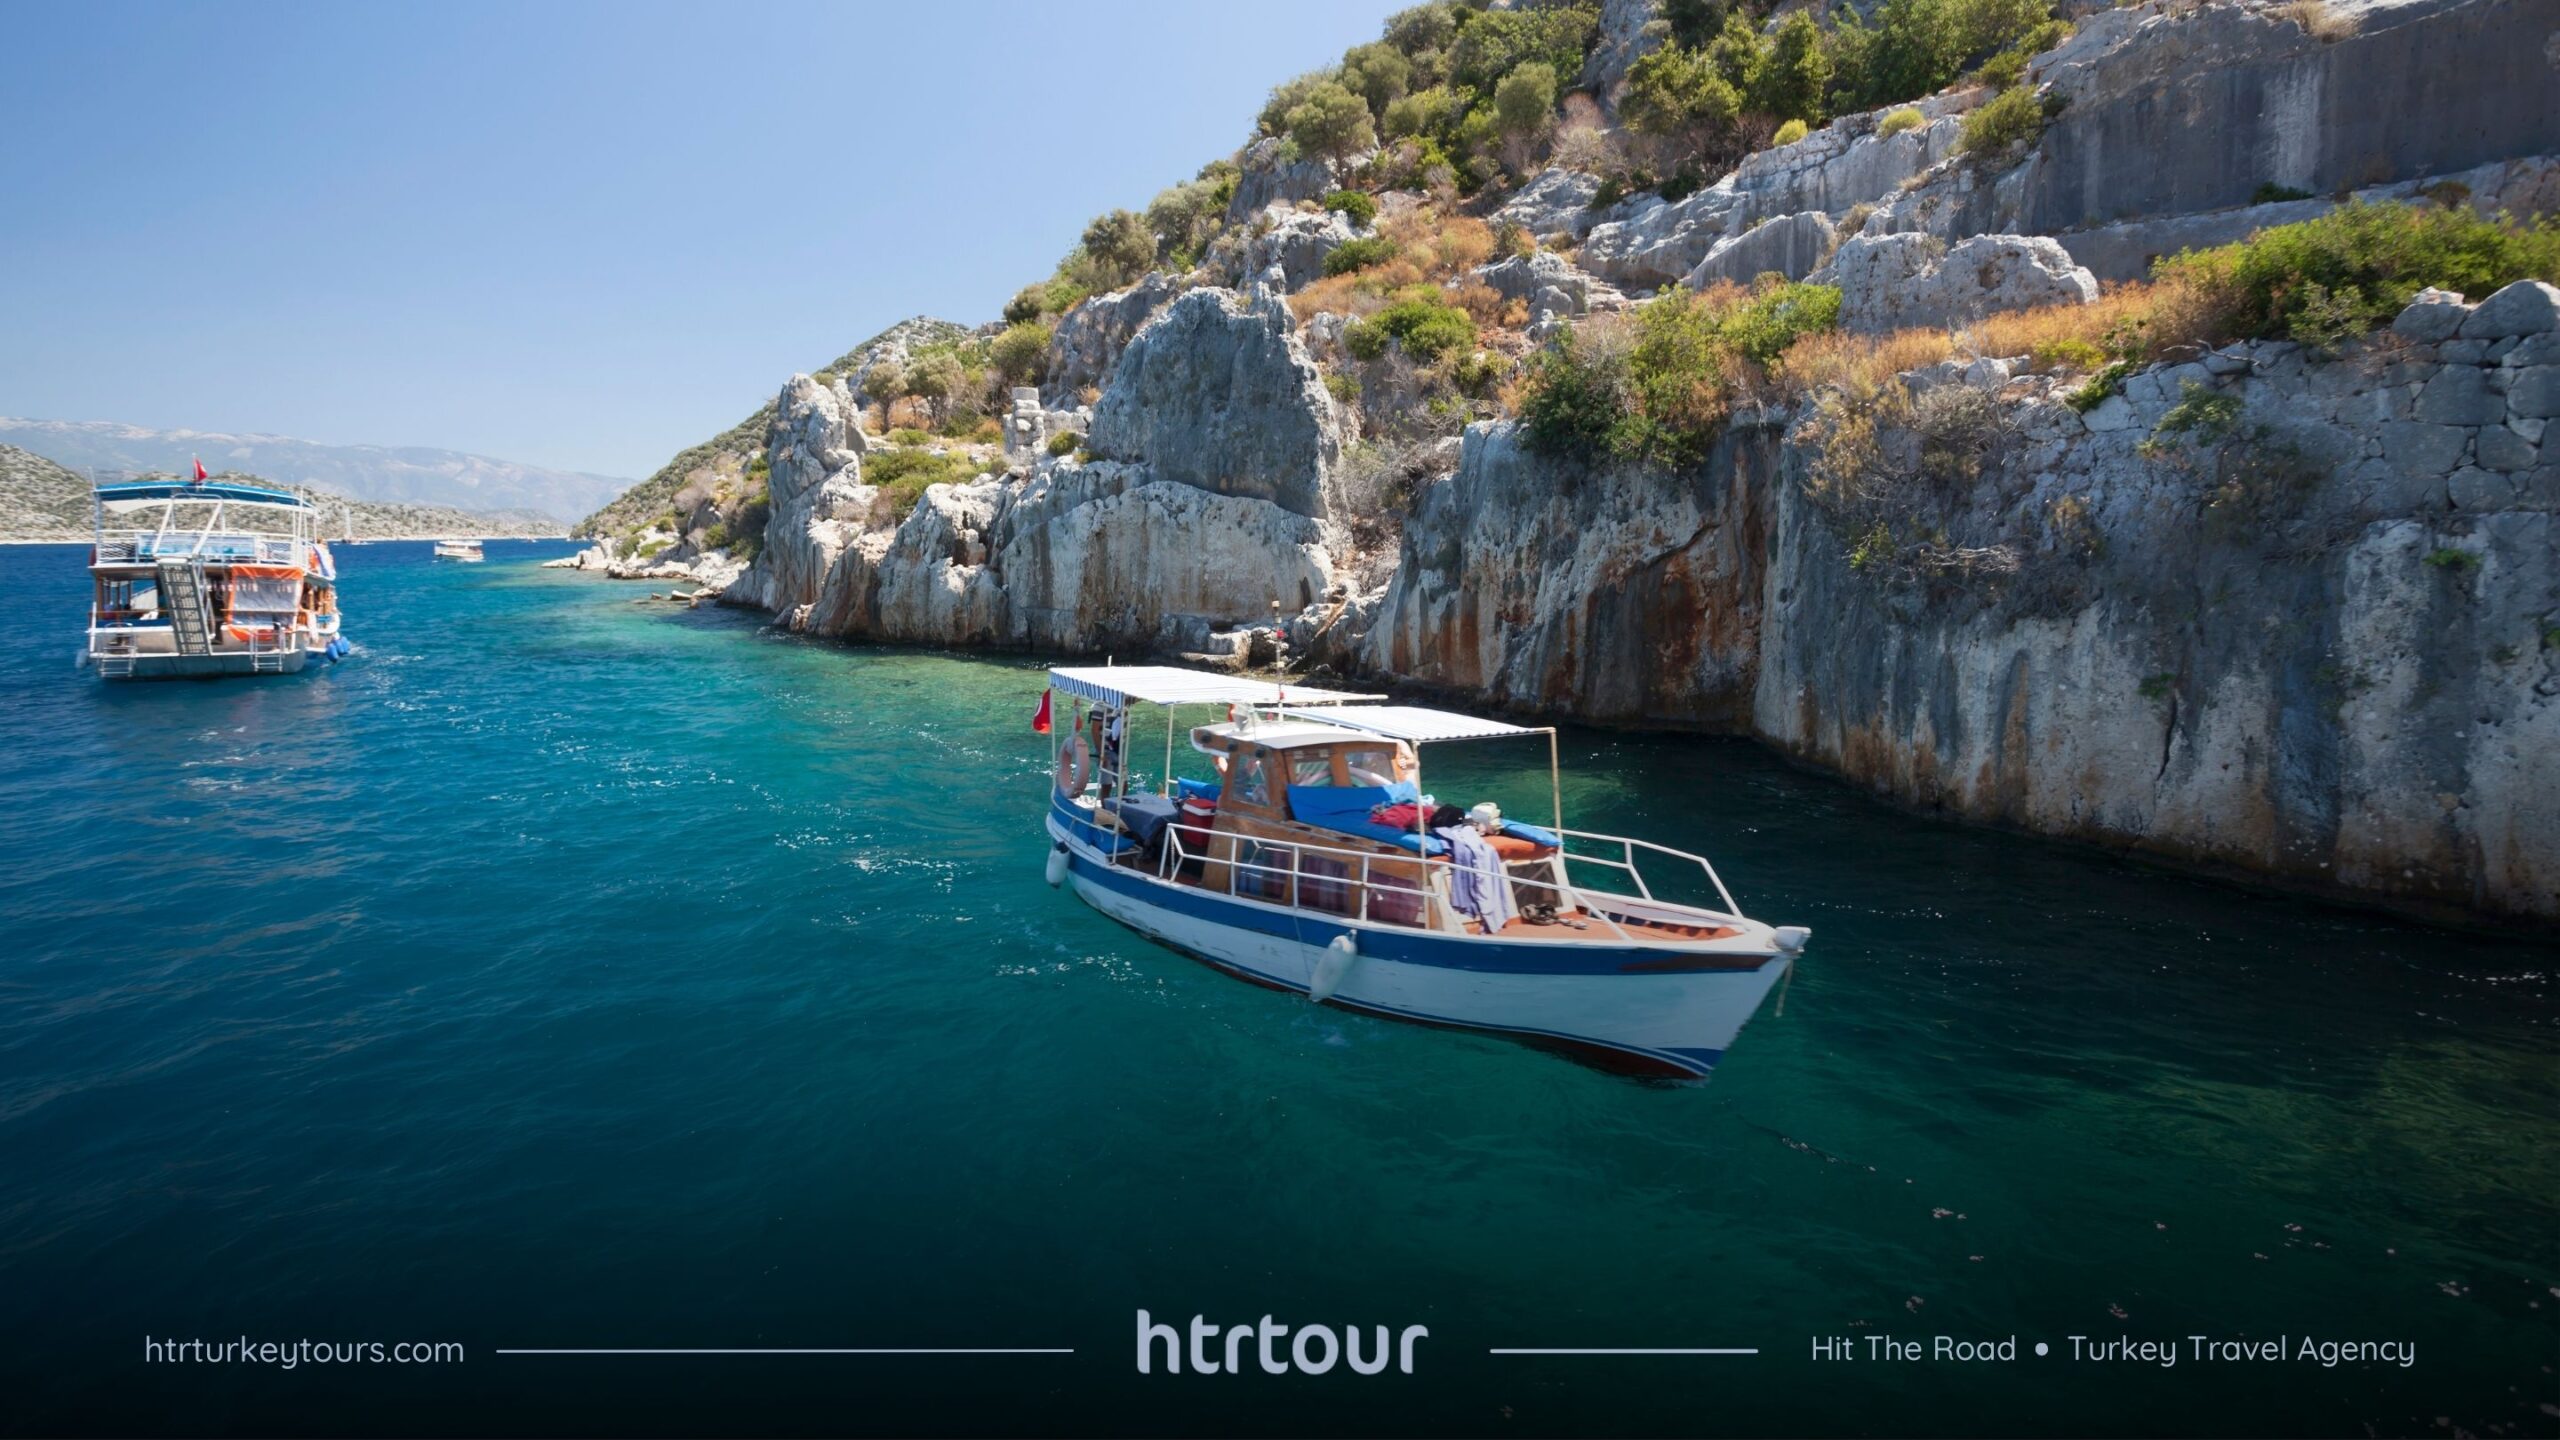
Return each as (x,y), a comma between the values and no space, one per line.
(2295,617)
(2292,615)
(1213,508)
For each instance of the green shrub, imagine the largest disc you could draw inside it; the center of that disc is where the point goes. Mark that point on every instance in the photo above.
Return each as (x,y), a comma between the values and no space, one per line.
(1493,43)
(2009,118)
(1064,442)
(2270,193)
(1359,208)
(1773,319)
(1425,327)
(1342,385)
(2205,415)
(1359,254)
(1792,131)
(905,474)
(2448,558)
(1897,121)
(1330,121)
(2067,354)
(2356,267)
(2106,382)
(1021,353)
(910,435)
(1027,304)
(1662,394)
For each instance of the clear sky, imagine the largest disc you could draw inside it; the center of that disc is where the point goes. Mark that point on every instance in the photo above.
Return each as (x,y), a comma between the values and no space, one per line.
(576,235)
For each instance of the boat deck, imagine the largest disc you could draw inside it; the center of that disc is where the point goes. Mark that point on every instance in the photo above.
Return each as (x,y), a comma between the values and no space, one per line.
(1568,924)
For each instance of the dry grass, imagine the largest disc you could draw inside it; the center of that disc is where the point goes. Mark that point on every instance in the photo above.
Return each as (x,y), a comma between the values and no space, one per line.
(2319,20)
(2164,320)
(1431,247)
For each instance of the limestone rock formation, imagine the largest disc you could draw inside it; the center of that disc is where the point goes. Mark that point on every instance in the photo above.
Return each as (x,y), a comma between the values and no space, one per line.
(1556,201)
(1091,336)
(1266,179)
(1842,165)
(1218,392)
(1791,245)
(2322,612)
(1895,282)
(1291,241)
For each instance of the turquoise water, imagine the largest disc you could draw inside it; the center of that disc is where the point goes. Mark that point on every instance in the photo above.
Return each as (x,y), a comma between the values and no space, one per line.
(565,972)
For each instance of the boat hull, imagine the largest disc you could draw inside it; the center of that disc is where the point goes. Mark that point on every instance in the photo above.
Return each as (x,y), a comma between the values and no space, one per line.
(194,667)
(1662,1011)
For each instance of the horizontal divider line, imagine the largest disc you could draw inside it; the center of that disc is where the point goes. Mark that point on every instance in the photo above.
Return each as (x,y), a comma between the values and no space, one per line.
(1619,1352)
(810,1351)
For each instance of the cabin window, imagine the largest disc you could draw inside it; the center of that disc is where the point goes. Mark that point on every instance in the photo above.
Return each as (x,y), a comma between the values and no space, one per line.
(1311,767)
(1369,765)
(1252,778)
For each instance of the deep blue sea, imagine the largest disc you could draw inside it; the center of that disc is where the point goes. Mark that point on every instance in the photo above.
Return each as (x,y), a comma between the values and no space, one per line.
(565,972)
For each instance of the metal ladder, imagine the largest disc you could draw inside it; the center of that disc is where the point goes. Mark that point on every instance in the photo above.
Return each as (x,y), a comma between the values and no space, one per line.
(184,600)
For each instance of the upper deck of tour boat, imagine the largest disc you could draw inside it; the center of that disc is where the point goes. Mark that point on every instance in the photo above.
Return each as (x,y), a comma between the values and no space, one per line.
(208,577)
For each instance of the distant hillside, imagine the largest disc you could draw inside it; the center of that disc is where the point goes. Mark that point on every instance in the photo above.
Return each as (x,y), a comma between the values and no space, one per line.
(721,461)
(40,500)
(407,475)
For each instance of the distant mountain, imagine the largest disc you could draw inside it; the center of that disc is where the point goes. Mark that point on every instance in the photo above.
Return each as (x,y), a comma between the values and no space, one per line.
(40,500)
(407,475)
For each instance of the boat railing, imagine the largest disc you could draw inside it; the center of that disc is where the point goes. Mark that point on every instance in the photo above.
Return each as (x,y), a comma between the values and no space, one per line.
(230,545)
(1626,863)
(1356,887)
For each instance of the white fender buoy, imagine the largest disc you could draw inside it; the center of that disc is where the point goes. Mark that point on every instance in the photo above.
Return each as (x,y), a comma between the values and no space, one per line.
(1331,966)
(1057,866)
(1791,938)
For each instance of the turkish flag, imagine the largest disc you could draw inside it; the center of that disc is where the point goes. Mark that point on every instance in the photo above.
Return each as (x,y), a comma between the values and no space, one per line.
(1040,717)
(199,471)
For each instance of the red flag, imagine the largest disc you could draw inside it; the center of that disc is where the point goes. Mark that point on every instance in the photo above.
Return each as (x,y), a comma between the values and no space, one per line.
(199,471)
(1040,717)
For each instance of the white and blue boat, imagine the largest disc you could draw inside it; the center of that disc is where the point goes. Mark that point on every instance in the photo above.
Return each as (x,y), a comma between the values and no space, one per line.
(208,577)
(1316,864)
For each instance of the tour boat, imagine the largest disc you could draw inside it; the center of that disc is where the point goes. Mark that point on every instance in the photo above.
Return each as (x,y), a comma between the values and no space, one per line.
(468,550)
(228,579)
(1313,866)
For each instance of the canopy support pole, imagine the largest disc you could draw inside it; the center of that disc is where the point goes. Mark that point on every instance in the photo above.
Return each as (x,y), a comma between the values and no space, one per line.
(1167,790)
(1555,784)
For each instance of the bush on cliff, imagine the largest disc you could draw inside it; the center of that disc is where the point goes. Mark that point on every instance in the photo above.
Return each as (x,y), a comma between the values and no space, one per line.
(1425,326)
(1354,205)
(1359,254)
(2356,267)
(1021,353)
(904,475)
(1656,386)
(2014,116)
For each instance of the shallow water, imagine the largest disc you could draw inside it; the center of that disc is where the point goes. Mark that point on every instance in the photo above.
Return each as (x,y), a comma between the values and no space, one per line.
(564,972)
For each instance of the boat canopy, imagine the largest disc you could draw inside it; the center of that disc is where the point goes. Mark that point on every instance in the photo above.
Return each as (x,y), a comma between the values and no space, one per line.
(1415,723)
(1117,685)
(144,494)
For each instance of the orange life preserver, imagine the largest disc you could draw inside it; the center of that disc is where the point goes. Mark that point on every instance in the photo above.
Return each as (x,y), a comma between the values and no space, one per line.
(1075,760)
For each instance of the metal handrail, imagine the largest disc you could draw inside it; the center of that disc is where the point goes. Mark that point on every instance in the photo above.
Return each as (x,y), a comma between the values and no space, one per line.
(1627,847)
(258,547)
(1176,853)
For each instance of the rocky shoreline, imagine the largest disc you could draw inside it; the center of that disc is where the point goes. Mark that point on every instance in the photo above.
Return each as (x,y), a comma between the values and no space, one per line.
(2262,608)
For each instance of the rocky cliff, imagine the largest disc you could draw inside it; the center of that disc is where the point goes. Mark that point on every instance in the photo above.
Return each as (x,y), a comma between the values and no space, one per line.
(2289,615)
(2289,610)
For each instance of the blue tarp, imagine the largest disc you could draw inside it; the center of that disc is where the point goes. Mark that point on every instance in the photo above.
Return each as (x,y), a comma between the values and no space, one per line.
(1346,808)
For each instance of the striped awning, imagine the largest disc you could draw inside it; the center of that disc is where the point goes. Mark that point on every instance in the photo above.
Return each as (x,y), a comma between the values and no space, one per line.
(1118,685)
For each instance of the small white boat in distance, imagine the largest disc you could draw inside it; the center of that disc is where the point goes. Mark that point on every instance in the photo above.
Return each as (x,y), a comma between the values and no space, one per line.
(1316,864)
(466,550)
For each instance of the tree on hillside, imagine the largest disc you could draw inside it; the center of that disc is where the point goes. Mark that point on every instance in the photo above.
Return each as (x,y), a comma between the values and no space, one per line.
(1120,247)
(1794,77)
(1331,122)
(1524,107)
(1676,101)
(1378,73)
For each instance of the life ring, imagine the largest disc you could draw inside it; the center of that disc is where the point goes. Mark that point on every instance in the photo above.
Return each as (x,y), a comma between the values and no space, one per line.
(1075,761)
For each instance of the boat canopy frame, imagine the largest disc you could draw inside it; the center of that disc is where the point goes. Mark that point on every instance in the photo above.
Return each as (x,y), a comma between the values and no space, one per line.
(1118,686)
